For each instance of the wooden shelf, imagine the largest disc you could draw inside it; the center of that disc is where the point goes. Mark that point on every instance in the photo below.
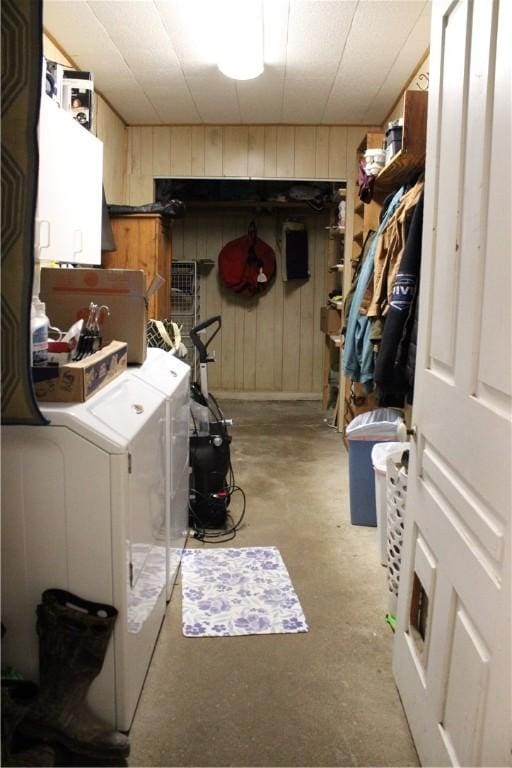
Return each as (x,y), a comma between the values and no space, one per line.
(336,340)
(257,204)
(399,168)
(336,231)
(335,304)
(336,268)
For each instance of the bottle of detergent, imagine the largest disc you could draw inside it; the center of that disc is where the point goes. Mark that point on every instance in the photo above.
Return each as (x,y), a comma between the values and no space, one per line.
(39,325)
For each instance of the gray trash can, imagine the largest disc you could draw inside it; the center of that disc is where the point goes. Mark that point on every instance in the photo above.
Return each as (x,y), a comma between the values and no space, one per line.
(363,432)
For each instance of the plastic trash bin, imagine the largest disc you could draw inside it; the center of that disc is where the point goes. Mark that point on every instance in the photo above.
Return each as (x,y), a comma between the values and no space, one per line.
(363,432)
(380,452)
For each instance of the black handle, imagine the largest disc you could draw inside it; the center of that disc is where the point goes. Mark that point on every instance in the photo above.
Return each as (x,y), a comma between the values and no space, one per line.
(198,344)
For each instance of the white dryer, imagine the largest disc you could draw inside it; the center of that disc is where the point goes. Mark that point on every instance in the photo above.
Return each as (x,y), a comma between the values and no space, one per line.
(85,509)
(171,376)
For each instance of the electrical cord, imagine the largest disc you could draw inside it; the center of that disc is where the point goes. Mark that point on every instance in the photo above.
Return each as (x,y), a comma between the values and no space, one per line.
(213,535)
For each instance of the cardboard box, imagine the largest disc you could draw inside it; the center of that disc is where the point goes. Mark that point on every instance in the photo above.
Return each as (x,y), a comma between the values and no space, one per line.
(78,381)
(330,320)
(67,294)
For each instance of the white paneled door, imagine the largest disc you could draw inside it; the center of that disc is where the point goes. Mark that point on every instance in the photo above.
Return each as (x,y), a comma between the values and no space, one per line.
(452,645)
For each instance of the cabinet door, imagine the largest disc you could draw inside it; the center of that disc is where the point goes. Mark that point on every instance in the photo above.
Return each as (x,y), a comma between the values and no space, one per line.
(144,242)
(68,216)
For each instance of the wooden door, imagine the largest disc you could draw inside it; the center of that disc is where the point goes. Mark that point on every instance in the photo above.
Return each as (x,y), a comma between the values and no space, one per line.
(452,646)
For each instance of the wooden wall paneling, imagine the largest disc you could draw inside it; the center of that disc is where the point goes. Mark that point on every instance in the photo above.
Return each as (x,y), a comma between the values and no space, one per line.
(235,151)
(277,340)
(248,311)
(270,160)
(306,322)
(234,226)
(140,190)
(198,151)
(228,312)
(256,151)
(161,138)
(210,298)
(181,150)
(113,133)
(291,336)
(322,152)
(305,152)
(285,151)
(264,345)
(337,152)
(319,267)
(213,150)
(146,151)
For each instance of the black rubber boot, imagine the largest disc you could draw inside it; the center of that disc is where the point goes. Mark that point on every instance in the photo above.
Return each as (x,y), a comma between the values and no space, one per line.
(17,698)
(73,639)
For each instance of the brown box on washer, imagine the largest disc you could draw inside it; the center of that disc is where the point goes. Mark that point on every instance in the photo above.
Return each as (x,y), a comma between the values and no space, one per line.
(67,294)
(78,381)
(330,320)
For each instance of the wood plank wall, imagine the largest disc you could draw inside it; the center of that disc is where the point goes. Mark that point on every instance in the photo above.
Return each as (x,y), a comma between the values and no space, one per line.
(282,151)
(109,128)
(272,344)
(268,344)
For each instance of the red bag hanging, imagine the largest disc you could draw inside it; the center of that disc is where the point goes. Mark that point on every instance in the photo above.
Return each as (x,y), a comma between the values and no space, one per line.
(247,265)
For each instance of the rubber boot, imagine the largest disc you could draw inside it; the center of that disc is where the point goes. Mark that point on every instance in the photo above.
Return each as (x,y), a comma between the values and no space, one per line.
(73,639)
(17,697)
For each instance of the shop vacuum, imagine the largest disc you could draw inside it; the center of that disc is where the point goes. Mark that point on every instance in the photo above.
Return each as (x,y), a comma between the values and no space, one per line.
(211,479)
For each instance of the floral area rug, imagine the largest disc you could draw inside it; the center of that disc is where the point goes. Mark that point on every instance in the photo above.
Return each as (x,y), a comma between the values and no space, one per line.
(244,591)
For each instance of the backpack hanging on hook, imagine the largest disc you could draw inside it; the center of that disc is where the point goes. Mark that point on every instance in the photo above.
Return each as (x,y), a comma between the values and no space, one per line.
(247,265)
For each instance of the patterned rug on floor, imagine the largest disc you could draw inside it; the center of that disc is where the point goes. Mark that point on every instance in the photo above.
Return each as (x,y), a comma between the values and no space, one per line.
(244,591)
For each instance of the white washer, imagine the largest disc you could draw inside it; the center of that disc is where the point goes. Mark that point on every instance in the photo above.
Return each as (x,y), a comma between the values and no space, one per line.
(171,376)
(84,508)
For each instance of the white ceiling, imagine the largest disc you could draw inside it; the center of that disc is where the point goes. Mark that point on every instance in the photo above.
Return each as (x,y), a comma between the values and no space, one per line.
(327,61)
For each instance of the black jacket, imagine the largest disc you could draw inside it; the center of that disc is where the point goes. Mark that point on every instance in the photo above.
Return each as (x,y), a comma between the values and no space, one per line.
(394,363)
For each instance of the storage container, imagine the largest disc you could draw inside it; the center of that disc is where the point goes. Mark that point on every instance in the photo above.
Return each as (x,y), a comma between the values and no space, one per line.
(380,453)
(363,432)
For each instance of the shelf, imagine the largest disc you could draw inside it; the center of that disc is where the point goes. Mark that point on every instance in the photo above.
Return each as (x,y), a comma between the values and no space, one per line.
(399,168)
(335,304)
(336,340)
(336,268)
(257,204)
(359,238)
(336,230)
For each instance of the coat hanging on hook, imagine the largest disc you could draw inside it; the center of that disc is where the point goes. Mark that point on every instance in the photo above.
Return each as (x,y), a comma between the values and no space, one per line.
(247,265)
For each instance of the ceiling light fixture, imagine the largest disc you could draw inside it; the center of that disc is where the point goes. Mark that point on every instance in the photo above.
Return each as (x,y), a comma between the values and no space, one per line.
(241,38)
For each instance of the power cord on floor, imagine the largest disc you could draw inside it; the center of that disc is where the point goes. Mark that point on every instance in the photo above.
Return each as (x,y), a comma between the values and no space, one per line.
(213,535)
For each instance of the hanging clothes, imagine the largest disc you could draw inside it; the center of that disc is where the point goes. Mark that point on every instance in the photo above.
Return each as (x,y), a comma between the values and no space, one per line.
(358,362)
(394,364)
(390,249)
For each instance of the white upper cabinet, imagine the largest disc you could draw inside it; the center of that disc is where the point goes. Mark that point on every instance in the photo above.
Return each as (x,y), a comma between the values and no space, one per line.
(68,216)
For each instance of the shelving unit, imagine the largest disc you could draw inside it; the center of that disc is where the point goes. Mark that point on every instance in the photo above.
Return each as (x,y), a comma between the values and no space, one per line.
(410,159)
(334,282)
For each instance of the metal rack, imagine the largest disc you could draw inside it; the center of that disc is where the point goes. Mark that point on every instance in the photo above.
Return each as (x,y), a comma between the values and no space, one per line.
(185,304)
